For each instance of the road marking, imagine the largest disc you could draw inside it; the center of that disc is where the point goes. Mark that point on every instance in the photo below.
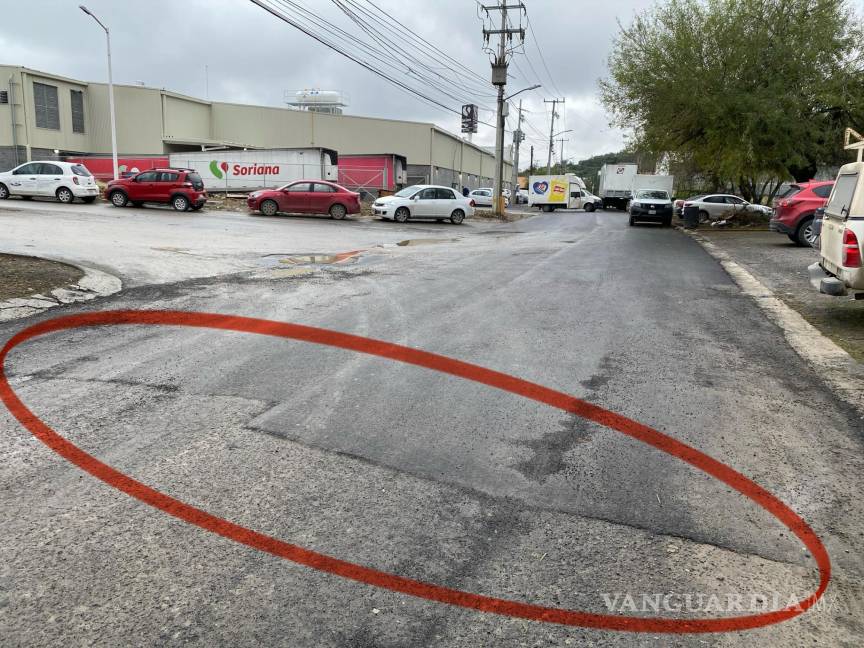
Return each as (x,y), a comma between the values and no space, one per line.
(394,582)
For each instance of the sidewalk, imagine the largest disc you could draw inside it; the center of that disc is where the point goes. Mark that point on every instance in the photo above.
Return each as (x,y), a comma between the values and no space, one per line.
(782,267)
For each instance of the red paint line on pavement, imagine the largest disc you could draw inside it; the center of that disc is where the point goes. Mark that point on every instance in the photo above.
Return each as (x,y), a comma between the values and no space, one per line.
(394,582)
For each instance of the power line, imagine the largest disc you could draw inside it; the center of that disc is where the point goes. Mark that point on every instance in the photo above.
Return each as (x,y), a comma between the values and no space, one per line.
(333,30)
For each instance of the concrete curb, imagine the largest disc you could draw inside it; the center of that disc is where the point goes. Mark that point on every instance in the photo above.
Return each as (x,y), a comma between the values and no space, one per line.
(836,367)
(93,284)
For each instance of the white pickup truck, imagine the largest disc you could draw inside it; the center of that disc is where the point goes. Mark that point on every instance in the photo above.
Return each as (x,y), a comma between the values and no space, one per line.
(840,270)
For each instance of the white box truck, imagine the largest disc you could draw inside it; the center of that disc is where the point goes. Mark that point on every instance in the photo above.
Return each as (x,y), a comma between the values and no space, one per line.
(245,170)
(550,192)
(616,184)
(650,181)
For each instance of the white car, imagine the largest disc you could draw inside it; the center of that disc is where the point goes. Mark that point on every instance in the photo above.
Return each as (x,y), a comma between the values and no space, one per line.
(483,197)
(61,180)
(719,206)
(424,201)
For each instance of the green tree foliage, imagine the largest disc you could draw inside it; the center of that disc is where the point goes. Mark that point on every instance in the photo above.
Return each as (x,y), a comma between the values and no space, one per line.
(750,92)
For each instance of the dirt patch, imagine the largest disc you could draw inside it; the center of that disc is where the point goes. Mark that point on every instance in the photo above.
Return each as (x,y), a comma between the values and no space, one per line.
(24,276)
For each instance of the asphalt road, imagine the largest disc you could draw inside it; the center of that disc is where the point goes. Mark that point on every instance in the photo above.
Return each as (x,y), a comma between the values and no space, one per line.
(413,472)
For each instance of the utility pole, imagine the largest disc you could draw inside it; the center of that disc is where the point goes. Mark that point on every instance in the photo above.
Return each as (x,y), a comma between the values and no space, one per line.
(554,103)
(499,78)
(531,168)
(562,140)
(518,136)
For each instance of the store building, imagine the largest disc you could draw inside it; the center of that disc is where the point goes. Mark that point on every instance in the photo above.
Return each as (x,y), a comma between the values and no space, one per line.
(45,116)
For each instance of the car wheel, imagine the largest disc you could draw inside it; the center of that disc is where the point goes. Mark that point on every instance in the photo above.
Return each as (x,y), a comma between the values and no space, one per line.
(703,216)
(338,212)
(457,217)
(547,208)
(119,198)
(269,208)
(402,215)
(804,236)
(4,192)
(89,200)
(667,221)
(589,207)
(65,195)
(632,220)
(180,203)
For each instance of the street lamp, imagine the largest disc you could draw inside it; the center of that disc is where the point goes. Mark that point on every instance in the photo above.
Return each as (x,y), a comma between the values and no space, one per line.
(110,89)
(534,87)
(517,139)
(499,147)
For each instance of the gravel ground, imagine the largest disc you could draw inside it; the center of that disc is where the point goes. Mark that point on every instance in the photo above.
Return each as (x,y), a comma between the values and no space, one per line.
(24,276)
(782,266)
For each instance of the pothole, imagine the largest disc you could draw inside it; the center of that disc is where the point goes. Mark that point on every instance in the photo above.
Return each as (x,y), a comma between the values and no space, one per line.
(426,241)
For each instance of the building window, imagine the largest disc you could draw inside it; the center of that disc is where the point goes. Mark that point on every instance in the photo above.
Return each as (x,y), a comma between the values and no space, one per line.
(77,98)
(4,96)
(47,109)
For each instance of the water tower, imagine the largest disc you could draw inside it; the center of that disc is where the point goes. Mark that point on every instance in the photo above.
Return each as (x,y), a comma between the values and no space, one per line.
(330,102)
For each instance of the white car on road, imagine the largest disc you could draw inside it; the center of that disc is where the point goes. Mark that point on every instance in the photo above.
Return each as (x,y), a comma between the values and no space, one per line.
(61,180)
(424,201)
(483,197)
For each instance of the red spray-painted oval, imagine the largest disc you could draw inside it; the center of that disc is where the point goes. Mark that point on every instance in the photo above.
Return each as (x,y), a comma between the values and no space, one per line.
(394,582)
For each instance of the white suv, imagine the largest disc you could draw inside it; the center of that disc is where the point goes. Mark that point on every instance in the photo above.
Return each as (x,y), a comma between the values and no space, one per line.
(424,201)
(61,180)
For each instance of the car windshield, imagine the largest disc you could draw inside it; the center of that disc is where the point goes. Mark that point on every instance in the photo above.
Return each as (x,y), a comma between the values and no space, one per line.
(407,192)
(652,195)
(81,170)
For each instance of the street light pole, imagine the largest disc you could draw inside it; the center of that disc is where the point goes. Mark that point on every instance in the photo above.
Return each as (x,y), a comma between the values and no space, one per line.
(110,90)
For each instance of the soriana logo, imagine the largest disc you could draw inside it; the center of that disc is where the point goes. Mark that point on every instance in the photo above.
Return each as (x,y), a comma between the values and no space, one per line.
(222,169)
(218,169)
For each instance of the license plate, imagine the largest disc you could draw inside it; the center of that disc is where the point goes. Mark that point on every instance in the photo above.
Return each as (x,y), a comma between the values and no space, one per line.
(652,211)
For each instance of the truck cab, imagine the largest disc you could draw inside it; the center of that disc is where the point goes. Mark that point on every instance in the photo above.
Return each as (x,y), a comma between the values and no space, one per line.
(840,270)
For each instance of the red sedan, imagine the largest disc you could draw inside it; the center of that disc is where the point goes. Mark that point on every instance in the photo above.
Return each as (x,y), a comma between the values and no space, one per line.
(306,197)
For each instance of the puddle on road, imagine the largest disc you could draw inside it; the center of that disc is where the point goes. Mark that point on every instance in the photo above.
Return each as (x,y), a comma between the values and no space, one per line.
(315,259)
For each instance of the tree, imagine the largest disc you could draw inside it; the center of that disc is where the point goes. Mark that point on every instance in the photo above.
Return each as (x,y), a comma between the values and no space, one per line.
(750,92)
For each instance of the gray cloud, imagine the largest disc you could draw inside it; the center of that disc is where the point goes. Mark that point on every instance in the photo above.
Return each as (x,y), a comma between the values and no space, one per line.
(254,58)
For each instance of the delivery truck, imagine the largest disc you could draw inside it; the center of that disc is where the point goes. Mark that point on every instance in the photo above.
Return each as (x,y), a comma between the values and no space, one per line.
(618,183)
(247,170)
(550,192)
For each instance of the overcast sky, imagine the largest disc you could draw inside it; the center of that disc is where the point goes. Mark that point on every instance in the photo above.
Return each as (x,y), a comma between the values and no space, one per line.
(253,57)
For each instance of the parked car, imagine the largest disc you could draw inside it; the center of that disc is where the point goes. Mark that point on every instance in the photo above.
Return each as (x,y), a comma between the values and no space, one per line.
(590,202)
(794,211)
(62,180)
(720,206)
(483,197)
(522,197)
(306,197)
(181,188)
(679,204)
(840,269)
(425,201)
(651,205)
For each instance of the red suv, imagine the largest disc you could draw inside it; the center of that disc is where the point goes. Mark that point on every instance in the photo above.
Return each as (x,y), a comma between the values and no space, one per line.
(306,197)
(181,188)
(793,211)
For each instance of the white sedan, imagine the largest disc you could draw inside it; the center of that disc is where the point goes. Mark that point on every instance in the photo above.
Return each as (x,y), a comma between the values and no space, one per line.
(61,180)
(426,202)
(717,206)
(483,197)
